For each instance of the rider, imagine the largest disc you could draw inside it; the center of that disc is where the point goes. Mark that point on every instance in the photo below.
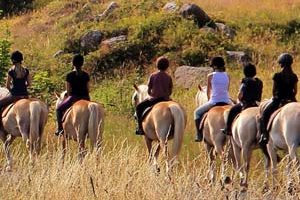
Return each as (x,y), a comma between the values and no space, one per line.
(284,91)
(217,92)
(249,94)
(17,81)
(77,85)
(160,87)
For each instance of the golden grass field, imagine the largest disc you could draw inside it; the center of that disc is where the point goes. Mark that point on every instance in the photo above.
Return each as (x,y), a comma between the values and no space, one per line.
(121,171)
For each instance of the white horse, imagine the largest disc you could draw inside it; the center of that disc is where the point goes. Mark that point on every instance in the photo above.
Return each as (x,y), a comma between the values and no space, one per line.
(85,119)
(166,120)
(26,119)
(285,135)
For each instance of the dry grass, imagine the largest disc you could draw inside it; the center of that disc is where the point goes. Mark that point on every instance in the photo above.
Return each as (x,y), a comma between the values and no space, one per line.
(122,172)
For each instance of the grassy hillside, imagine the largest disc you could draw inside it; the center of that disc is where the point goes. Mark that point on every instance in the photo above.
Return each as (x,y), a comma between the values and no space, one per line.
(264,30)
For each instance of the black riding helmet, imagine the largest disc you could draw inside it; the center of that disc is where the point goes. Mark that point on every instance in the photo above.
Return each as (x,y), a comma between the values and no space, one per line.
(16,57)
(285,59)
(217,63)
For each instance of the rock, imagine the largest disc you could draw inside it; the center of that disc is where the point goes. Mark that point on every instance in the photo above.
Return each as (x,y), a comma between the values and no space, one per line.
(193,11)
(188,77)
(226,30)
(110,8)
(237,55)
(58,53)
(113,41)
(170,7)
(90,41)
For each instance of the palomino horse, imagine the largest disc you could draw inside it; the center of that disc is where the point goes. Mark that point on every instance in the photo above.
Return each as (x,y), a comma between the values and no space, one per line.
(26,119)
(84,119)
(244,140)
(166,120)
(285,135)
(214,139)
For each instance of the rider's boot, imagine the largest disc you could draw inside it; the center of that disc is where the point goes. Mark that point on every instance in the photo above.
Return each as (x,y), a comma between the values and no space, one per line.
(59,116)
(199,135)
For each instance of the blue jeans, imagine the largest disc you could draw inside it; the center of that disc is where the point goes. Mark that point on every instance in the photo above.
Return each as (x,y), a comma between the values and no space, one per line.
(199,112)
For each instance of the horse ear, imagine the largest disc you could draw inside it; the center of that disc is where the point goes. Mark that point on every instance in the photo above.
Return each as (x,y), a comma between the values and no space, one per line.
(135,87)
(199,87)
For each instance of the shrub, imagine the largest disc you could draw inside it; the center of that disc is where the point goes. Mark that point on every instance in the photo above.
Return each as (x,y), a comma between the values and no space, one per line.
(14,6)
(4,58)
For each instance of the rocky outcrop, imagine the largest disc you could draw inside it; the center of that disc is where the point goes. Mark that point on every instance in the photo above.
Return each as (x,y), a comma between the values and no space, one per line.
(90,41)
(226,30)
(240,56)
(193,11)
(114,40)
(188,77)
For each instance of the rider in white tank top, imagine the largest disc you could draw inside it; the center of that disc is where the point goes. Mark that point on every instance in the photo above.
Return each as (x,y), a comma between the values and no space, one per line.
(219,84)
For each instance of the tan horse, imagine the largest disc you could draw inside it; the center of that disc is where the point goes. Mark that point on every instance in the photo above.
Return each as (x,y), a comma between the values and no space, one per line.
(166,120)
(84,119)
(214,140)
(26,119)
(244,140)
(285,135)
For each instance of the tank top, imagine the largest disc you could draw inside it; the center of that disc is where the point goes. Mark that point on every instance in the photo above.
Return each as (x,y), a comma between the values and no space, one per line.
(219,88)
(19,85)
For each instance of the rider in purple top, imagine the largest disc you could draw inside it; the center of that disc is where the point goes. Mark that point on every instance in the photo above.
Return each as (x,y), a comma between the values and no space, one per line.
(160,87)
(77,83)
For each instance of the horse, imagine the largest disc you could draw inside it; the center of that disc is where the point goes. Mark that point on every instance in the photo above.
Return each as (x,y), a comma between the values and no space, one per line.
(284,134)
(214,140)
(25,118)
(245,137)
(84,119)
(165,121)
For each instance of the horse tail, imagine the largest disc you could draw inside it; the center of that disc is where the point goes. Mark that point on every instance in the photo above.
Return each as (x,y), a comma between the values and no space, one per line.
(94,124)
(34,127)
(179,126)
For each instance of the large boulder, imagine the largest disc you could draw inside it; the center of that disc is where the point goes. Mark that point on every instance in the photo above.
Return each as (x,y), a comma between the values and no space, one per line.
(188,77)
(170,7)
(114,40)
(90,41)
(226,30)
(193,11)
(239,56)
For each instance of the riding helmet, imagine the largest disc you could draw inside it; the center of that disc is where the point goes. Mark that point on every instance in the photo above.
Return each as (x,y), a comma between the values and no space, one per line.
(285,59)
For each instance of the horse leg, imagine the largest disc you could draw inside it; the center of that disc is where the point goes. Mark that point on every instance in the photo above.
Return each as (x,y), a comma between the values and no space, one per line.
(211,158)
(293,164)
(7,144)
(237,155)
(246,153)
(273,157)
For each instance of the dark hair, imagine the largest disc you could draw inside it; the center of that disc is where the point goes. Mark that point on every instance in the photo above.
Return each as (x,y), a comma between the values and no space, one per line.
(16,57)
(78,61)
(162,63)
(285,60)
(249,70)
(217,62)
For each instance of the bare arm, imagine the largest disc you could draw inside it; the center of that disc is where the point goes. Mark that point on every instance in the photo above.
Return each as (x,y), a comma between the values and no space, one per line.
(208,92)
(8,81)
(69,88)
(295,89)
(29,80)
(150,86)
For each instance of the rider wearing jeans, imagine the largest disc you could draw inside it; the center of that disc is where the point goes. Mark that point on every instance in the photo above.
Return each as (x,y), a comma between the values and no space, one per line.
(217,92)
(160,87)
(77,83)
(284,91)
(249,94)
(17,81)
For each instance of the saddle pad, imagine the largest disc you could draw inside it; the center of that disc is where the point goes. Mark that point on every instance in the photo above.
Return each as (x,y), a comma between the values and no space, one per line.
(146,112)
(66,113)
(7,109)
(272,119)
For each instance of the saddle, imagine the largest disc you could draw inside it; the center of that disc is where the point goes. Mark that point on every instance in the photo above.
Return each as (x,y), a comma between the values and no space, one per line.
(7,109)
(205,115)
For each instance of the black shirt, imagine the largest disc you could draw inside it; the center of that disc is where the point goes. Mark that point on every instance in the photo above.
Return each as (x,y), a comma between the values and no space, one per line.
(79,83)
(19,84)
(284,83)
(252,90)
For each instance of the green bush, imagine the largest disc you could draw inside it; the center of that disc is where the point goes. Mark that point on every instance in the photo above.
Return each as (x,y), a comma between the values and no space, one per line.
(4,58)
